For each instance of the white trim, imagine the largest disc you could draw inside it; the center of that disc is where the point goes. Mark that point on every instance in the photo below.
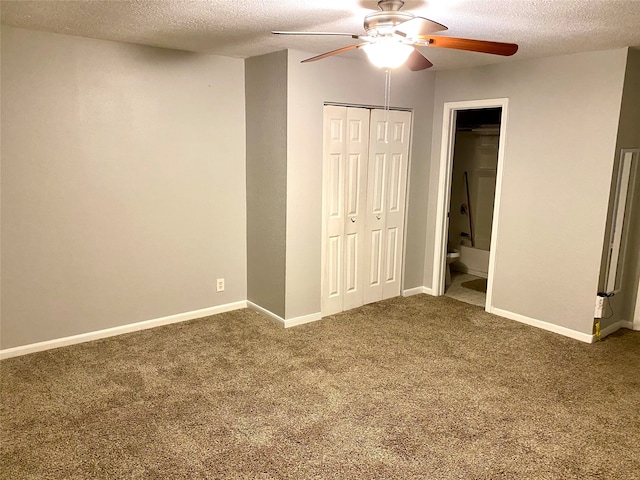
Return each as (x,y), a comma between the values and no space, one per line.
(636,311)
(618,233)
(292,322)
(567,332)
(497,200)
(265,312)
(629,325)
(443,198)
(111,332)
(417,291)
(613,328)
(444,189)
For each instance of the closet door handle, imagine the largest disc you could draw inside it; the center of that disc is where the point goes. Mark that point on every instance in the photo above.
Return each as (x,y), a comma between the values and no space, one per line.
(378,216)
(353,219)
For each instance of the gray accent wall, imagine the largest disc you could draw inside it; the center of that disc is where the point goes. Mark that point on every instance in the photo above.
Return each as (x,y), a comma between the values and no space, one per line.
(123,184)
(560,148)
(266,105)
(355,82)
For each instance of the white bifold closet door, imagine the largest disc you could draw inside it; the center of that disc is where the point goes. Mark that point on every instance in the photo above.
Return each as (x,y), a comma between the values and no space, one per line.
(364,191)
(386,194)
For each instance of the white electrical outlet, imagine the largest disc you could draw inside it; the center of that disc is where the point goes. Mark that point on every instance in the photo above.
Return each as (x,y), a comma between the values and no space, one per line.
(220,285)
(599,307)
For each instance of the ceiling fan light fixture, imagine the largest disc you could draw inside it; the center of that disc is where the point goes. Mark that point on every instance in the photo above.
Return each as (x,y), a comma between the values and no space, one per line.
(387,53)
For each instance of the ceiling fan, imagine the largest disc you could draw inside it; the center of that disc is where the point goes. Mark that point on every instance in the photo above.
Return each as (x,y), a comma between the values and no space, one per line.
(392,35)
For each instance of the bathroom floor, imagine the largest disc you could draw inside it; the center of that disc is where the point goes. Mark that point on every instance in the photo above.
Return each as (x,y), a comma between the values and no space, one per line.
(457,291)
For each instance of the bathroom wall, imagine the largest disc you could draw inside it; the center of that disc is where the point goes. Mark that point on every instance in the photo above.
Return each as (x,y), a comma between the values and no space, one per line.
(478,156)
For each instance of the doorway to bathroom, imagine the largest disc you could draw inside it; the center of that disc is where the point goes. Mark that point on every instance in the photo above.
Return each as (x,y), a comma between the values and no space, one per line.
(469,189)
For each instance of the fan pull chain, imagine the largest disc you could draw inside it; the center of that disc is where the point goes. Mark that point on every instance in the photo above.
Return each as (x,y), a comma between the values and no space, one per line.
(387,95)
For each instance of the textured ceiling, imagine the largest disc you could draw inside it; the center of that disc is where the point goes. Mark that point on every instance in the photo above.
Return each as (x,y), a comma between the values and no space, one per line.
(241,28)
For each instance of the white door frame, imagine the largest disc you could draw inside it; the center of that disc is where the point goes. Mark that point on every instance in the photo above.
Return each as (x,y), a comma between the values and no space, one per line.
(444,189)
(622,211)
(635,324)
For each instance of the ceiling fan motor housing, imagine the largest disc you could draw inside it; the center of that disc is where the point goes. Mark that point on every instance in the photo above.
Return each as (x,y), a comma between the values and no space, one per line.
(385,21)
(382,23)
(390,5)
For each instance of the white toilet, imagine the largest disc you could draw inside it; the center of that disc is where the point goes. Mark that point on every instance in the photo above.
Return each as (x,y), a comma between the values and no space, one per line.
(452,256)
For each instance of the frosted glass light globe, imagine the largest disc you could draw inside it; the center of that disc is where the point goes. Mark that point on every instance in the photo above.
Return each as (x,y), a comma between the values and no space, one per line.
(387,53)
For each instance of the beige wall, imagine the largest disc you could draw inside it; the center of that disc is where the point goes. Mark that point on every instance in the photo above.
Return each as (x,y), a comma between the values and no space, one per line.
(352,81)
(560,146)
(266,101)
(123,184)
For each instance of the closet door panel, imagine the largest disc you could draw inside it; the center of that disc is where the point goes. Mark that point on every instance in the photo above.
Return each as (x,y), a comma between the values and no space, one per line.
(346,135)
(386,197)
(376,207)
(333,206)
(398,154)
(357,149)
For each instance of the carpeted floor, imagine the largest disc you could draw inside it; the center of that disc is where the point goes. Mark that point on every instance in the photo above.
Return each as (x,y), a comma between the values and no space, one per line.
(417,387)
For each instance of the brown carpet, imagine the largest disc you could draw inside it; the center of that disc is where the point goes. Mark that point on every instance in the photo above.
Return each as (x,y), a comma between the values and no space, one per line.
(479,285)
(417,387)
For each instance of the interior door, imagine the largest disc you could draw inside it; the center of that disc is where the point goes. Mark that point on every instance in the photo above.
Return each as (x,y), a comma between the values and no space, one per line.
(346,141)
(385,206)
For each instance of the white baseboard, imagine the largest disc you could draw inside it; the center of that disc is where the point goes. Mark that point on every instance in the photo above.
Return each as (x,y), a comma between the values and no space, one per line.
(417,291)
(630,325)
(567,332)
(292,322)
(613,328)
(265,312)
(110,332)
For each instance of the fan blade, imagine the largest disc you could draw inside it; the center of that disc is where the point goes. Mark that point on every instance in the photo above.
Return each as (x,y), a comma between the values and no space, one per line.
(417,61)
(337,34)
(418,26)
(333,52)
(483,46)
